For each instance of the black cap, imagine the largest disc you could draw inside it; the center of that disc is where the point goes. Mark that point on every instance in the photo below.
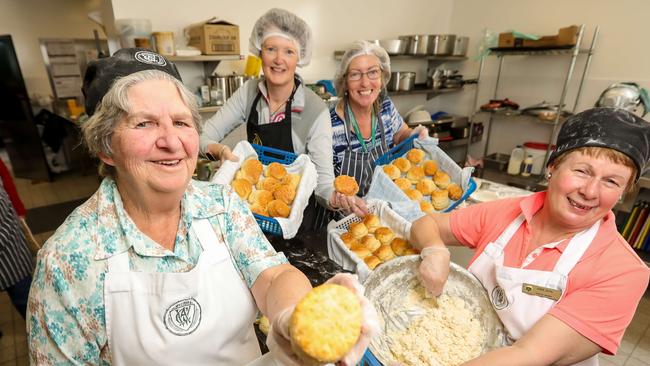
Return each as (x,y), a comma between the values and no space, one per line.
(101,73)
(614,128)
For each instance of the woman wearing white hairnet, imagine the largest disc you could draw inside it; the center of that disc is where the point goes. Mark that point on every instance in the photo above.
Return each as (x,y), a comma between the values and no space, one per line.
(278,110)
(365,122)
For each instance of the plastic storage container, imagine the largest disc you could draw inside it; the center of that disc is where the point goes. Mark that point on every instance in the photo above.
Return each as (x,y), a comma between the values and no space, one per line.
(516,158)
(130,29)
(528,166)
(538,152)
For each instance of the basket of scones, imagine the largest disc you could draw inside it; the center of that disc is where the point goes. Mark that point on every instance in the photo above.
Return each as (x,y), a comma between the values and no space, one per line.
(360,244)
(418,173)
(275,184)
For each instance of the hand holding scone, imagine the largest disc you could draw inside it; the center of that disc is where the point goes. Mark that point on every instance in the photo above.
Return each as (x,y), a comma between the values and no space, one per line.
(348,204)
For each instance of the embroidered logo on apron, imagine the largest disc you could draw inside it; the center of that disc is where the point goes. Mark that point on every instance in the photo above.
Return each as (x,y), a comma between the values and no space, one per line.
(499,298)
(183,317)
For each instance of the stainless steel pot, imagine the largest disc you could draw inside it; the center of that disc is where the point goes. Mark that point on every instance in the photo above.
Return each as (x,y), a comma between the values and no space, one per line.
(417,44)
(218,90)
(234,82)
(392,46)
(401,81)
(442,44)
(460,46)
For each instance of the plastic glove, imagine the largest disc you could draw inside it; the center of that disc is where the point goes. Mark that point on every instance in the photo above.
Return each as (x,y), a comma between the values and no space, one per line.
(421,131)
(349,204)
(434,269)
(221,153)
(370,325)
(278,340)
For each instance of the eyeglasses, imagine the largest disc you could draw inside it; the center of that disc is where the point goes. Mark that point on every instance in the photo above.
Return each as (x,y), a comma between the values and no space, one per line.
(284,52)
(372,74)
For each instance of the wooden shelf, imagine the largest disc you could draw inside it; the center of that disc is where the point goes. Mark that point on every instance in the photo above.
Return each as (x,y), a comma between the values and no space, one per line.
(209,109)
(339,54)
(204,58)
(424,90)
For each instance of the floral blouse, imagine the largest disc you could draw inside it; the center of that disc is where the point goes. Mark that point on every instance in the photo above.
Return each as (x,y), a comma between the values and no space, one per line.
(65,316)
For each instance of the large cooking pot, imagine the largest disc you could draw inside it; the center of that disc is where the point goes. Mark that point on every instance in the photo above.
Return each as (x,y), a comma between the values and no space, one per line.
(442,44)
(234,82)
(418,44)
(460,46)
(401,81)
(392,46)
(218,89)
(628,96)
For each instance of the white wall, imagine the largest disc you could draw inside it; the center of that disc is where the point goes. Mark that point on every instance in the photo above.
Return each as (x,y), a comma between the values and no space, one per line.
(621,55)
(28,20)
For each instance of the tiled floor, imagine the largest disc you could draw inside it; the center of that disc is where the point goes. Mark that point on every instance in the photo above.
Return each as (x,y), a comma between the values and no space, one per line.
(634,350)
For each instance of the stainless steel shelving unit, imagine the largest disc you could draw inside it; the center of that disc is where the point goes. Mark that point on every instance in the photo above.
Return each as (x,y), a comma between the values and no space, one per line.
(574,52)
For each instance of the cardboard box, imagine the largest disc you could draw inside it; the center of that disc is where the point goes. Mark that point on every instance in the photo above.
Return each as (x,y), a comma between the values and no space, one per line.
(214,37)
(567,36)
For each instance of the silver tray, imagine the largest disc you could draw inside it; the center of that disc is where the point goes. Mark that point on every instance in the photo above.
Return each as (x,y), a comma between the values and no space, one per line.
(388,287)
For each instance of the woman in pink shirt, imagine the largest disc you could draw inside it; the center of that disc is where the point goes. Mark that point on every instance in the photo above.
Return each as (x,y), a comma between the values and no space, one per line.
(559,275)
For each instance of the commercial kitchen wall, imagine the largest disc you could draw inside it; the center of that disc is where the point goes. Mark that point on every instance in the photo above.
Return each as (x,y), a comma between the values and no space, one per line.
(28,20)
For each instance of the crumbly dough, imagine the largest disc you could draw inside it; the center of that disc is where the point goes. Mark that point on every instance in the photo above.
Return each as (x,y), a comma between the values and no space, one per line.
(446,335)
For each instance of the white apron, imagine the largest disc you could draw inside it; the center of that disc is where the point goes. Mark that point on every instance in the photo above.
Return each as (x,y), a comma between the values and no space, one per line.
(505,286)
(201,317)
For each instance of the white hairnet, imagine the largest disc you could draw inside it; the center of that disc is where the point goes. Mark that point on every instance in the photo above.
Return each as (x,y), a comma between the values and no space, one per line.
(360,48)
(283,23)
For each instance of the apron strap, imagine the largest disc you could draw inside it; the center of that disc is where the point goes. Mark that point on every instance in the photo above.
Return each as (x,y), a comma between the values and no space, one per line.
(208,237)
(119,262)
(507,234)
(576,249)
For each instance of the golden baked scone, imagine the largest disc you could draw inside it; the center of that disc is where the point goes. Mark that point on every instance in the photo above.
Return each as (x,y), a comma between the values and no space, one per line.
(369,242)
(264,324)
(392,171)
(410,251)
(403,183)
(260,210)
(402,164)
(358,230)
(425,186)
(252,169)
(385,253)
(399,245)
(348,239)
(455,192)
(415,174)
(426,206)
(430,167)
(268,184)
(413,194)
(243,188)
(284,193)
(441,179)
(440,199)
(260,197)
(372,261)
(415,155)
(384,234)
(325,324)
(346,184)
(278,208)
(360,252)
(372,222)
(275,170)
(291,179)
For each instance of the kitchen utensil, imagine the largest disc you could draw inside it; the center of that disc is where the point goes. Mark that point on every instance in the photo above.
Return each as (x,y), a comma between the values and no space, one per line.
(442,44)
(218,90)
(234,82)
(460,46)
(401,81)
(625,95)
(545,111)
(420,117)
(392,46)
(417,44)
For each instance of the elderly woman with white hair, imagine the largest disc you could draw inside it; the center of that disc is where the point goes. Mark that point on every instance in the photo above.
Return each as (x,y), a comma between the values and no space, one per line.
(365,122)
(155,268)
(279,111)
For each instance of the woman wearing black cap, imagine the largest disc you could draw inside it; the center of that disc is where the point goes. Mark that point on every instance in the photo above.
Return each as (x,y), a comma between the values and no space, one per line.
(563,281)
(155,268)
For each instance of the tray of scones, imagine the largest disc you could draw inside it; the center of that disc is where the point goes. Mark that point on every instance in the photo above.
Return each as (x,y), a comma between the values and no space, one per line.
(425,174)
(275,184)
(360,244)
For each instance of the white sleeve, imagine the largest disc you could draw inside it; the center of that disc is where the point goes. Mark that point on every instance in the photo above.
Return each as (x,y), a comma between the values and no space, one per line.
(319,148)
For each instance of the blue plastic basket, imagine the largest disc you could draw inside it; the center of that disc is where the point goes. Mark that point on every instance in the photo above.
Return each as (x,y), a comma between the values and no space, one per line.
(369,359)
(268,155)
(402,149)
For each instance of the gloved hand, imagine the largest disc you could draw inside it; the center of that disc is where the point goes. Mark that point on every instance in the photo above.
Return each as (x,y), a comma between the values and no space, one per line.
(421,131)
(434,268)
(349,204)
(278,340)
(221,153)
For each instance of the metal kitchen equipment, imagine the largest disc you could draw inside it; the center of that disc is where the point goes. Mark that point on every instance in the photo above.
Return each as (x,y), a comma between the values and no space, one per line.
(460,46)
(234,82)
(417,44)
(442,44)
(392,46)
(218,89)
(401,81)
(628,96)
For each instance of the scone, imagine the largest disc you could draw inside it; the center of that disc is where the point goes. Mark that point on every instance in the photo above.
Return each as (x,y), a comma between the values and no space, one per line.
(372,261)
(285,193)
(402,183)
(425,186)
(325,324)
(358,230)
(455,192)
(413,194)
(441,179)
(348,240)
(399,245)
(392,171)
(268,184)
(260,197)
(252,169)
(410,251)
(402,164)
(346,185)
(278,208)
(291,179)
(415,155)
(243,188)
(260,210)
(415,174)
(430,167)
(384,252)
(369,242)
(372,222)
(263,324)
(384,234)
(361,252)
(275,170)
(440,199)
(426,206)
